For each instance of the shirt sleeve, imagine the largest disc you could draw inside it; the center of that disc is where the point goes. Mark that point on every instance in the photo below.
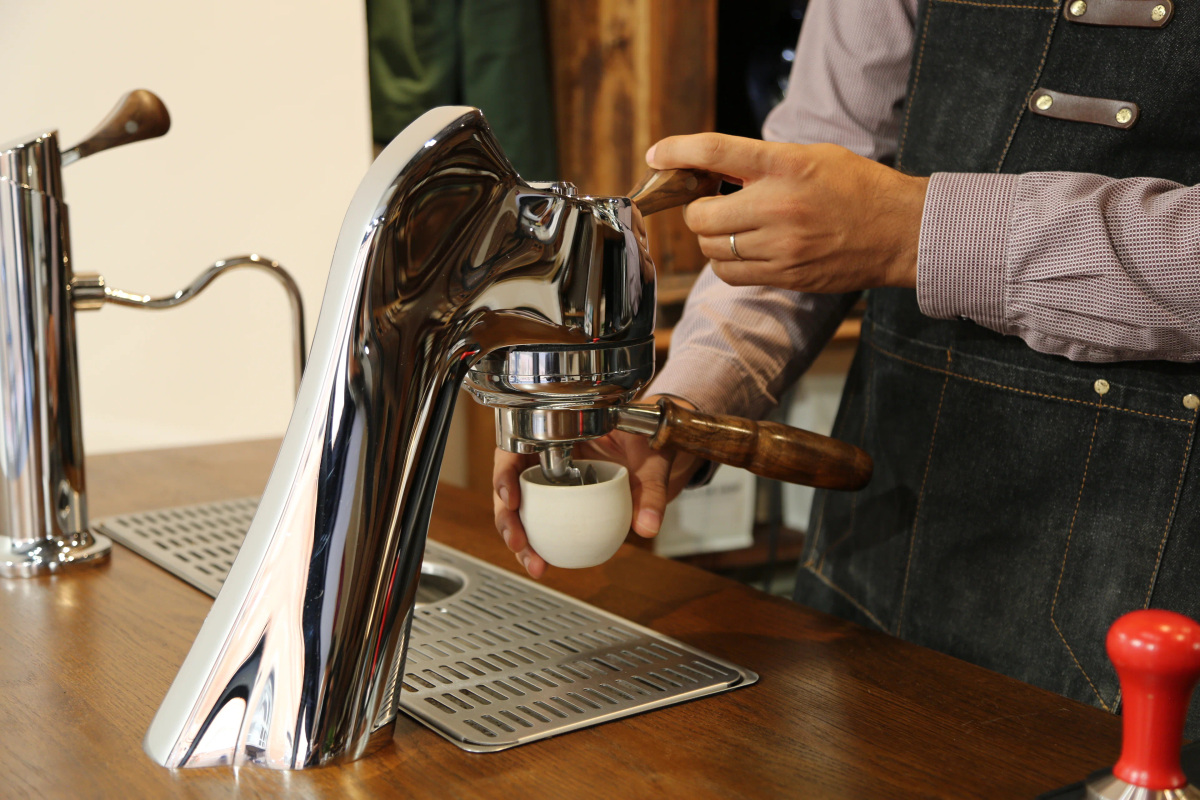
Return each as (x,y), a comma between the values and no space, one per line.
(736,349)
(1078,265)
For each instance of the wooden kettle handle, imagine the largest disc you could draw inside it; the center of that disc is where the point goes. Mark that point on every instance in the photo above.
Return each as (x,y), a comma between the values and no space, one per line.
(668,188)
(138,115)
(769,449)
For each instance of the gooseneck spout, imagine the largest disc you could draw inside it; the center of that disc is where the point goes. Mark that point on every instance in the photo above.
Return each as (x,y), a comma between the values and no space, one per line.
(445,257)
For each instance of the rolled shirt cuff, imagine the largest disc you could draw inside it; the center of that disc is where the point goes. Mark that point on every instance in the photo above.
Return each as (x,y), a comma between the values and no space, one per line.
(706,380)
(963,247)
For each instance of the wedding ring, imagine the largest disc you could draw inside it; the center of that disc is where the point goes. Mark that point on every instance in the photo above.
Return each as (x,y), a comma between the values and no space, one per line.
(733,246)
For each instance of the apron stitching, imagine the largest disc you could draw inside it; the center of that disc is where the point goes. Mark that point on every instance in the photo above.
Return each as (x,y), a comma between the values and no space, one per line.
(1036,78)
(1063,569)
(912,539)
(1171,516)
(916,79)
(811,559)
(861,442)
(998,5)
(820,521)
(846,595)
(1027,391)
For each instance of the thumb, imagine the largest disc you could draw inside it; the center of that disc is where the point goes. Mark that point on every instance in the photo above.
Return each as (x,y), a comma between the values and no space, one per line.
(649,488)
(742,159)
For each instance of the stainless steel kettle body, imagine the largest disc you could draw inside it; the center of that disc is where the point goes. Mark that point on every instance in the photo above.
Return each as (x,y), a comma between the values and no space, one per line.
(43,497)
(43,505)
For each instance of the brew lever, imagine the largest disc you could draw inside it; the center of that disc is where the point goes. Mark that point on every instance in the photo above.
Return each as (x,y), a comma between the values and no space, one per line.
(138,115)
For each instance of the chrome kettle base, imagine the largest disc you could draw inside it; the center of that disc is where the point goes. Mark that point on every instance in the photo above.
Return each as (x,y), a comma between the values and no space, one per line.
(86,550)
(494,660)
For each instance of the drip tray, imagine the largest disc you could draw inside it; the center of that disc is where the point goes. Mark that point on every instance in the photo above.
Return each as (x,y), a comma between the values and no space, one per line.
(494,660)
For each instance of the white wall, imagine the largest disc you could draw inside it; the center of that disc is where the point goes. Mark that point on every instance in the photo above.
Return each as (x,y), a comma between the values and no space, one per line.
(270,135)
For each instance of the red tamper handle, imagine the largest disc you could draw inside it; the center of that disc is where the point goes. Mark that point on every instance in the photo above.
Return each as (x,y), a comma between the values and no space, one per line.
(1157,657)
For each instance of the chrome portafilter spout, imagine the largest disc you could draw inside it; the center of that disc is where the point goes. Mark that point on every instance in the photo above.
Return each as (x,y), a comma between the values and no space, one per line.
(559,467)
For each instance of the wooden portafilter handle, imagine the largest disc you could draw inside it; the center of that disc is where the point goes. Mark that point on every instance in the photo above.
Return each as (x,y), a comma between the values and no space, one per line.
(1157,658)
(668,188)
(138,115)
(768,449)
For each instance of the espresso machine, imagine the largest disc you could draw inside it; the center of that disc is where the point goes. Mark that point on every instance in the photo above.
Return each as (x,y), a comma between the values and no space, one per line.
(44,525)
(449,268)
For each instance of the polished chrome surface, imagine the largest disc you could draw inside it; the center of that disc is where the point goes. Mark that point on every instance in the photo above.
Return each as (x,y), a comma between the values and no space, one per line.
(530,430)
(559,467)
(639,418)
(494,660)
(1110,787)
(504,661)
(33,162)
(546,378)
(43,504)
(91,292)
(445,256)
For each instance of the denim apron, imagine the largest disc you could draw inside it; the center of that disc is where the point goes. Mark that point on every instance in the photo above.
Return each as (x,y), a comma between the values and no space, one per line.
(1021,502)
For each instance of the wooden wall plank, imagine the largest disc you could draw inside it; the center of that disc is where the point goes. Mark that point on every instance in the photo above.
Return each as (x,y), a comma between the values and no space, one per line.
(625,74)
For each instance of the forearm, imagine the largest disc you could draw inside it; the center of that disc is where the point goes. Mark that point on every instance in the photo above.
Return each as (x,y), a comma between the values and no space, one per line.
(737,349)
(1088,267)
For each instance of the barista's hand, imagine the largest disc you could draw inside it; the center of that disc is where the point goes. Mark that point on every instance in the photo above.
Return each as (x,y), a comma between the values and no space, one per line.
(814,218)
(655,478)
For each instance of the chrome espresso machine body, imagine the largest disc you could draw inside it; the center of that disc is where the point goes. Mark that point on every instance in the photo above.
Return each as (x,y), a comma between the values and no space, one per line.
(445,257)
(448,267)
(44,525)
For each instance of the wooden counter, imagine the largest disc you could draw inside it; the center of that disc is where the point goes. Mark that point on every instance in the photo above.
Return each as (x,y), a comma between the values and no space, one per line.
(840,711)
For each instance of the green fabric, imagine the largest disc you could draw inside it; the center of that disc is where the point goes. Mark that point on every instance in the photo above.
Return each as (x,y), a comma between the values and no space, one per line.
(485,53)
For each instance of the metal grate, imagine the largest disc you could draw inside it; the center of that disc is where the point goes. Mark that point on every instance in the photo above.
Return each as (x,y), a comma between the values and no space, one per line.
(494,660)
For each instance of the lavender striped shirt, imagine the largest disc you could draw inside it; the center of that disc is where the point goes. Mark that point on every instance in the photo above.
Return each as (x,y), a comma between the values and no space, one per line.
(1078,265)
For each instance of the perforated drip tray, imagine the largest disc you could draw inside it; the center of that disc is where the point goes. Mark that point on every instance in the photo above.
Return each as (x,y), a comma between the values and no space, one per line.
(494,660)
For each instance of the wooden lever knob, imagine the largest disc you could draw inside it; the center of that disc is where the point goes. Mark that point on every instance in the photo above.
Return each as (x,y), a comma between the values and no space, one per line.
(138,115)
(769,449)
(663,189)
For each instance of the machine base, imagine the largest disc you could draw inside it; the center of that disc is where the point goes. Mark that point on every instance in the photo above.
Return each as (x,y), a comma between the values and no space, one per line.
(54,556)
(494,660)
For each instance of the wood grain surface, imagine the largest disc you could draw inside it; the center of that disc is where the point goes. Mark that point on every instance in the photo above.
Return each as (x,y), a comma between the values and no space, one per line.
(840,711)
(138,115)
(626,74)
(659,190)
(768,449)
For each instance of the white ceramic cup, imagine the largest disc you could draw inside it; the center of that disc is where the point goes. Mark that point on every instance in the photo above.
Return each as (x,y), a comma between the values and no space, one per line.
(577,526)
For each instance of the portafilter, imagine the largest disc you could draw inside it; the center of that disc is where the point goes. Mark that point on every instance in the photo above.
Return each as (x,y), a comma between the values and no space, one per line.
(547,398)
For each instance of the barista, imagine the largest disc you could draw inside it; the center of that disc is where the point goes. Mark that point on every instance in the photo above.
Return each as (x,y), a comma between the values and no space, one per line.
(1026,379)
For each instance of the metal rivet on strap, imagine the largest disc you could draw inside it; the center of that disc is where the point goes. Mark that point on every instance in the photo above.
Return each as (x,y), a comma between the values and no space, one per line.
(1101,386)
(1191,402)
(1078,8)
(1044,102)
(1157,13)
(1124,115)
